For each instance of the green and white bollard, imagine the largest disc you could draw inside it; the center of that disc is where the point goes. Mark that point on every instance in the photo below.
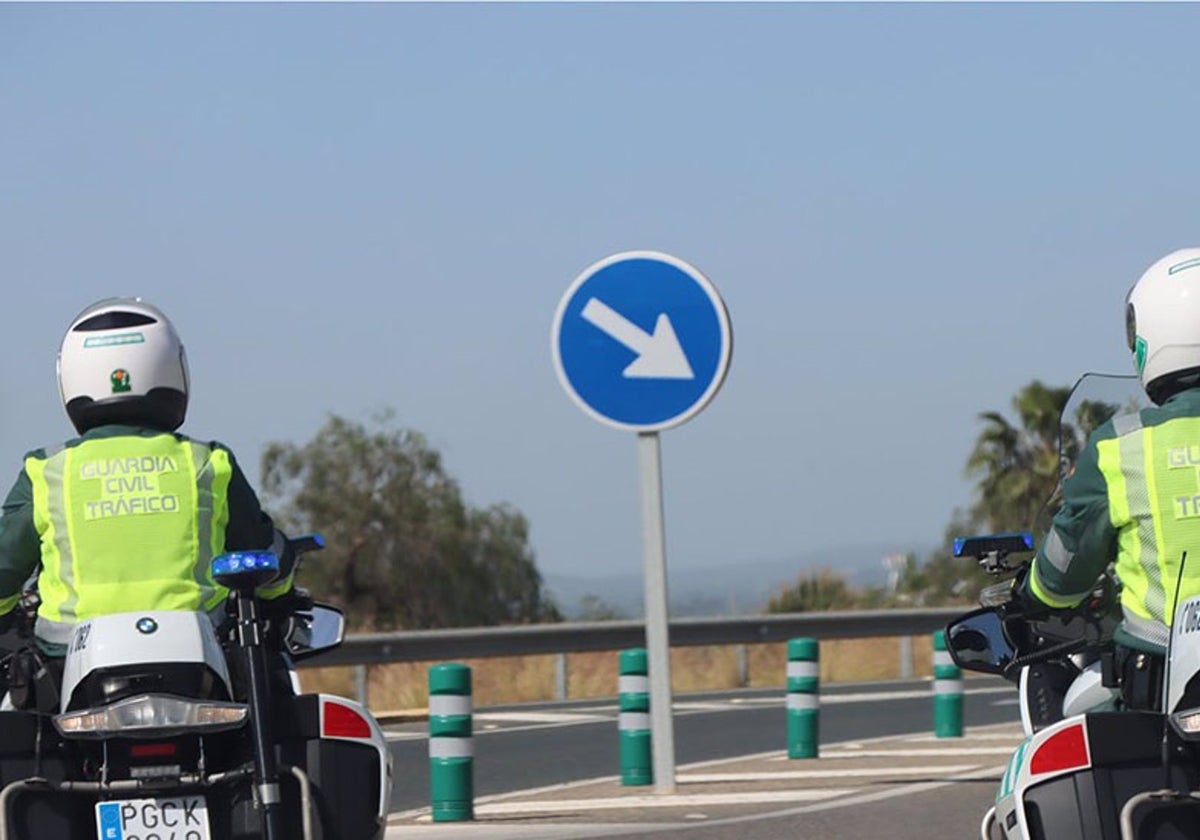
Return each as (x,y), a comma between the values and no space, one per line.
(451,745)
(803,697)
(947,691)
(633,718)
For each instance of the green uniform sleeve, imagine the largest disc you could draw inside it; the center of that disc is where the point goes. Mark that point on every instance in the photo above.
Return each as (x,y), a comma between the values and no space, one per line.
(20,546)
(1081,542)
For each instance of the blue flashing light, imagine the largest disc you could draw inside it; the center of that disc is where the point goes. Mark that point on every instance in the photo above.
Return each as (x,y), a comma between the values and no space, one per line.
(1003,544)
(1023,536)
(319,539)
(240,562)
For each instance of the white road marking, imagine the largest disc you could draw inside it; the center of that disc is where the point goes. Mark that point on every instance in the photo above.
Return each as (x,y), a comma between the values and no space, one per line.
(916,694)
(538,717)
(873,772)
(1015,737)
(516,830)
(834,699)
(543,721)
(917,753)
(678,800)
(700,707)
(405,736)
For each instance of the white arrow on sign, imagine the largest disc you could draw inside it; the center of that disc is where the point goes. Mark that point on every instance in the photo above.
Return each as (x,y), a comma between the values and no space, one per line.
(659,356)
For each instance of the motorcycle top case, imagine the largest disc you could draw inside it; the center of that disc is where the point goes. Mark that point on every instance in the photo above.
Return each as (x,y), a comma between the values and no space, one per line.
(142,638)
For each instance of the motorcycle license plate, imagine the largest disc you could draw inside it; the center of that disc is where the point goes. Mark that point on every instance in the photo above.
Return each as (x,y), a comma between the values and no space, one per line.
(174,818)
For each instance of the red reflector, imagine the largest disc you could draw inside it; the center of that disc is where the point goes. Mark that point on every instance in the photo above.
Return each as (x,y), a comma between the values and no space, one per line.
(343,722)
(151,750)
(1065,750)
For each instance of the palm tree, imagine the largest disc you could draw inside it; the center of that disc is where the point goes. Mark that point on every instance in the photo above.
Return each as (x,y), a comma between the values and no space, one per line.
(1017,466)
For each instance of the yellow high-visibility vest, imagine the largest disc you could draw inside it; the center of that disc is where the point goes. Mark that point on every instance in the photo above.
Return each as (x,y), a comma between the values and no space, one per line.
(1152,475)
(127,523)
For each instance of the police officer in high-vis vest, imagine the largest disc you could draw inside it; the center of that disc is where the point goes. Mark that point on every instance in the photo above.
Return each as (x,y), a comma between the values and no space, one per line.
(1134,496)
(128,515)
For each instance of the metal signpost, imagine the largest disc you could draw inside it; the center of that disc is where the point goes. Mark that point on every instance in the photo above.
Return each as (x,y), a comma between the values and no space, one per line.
(641,342)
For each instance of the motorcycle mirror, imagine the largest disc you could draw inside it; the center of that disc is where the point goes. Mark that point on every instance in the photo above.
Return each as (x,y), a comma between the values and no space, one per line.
(977,642)
(319,629)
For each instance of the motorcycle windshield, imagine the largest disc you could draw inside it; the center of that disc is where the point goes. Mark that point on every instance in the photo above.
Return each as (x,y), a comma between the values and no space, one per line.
(1094,399)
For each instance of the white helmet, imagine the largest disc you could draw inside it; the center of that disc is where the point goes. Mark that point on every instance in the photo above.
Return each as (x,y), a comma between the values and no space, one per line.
(1162,322)
(121,361)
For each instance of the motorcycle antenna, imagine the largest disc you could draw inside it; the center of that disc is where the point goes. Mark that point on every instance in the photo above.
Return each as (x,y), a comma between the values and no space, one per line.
(1166,681)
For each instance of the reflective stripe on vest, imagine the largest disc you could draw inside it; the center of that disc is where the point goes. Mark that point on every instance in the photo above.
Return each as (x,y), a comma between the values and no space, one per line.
(128,523)
(1153,480)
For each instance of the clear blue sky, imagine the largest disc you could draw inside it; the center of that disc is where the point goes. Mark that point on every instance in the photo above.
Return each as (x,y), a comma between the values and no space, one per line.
(911,211)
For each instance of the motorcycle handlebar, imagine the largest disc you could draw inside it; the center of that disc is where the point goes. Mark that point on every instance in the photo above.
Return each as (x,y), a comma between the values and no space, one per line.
(306,543)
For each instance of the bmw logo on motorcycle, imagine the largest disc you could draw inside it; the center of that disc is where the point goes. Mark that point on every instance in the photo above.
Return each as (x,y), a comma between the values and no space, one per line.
(147,625)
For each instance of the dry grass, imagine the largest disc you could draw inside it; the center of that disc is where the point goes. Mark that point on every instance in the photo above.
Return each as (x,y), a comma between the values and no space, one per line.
(519,679)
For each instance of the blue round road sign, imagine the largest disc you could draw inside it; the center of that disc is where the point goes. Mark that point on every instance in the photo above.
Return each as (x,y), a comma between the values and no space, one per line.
(641,341)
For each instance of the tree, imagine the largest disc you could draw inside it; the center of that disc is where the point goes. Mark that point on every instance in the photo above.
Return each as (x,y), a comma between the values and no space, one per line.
(594,608)
(1017,466)
(815,591)
(405,550)
(944,579)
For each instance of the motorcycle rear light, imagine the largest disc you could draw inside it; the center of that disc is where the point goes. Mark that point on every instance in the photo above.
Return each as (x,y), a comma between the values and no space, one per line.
(152,750)
(151,716)
(1064,750)
(1187,724)
(338,721)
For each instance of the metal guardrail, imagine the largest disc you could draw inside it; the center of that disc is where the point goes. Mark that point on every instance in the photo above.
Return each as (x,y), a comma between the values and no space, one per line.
(524,640)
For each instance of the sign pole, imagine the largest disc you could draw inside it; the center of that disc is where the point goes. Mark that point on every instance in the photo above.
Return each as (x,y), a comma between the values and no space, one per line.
(662,733)
(641,342)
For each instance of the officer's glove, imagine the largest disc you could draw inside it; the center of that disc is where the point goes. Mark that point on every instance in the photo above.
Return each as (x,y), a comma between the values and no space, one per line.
(1025,602)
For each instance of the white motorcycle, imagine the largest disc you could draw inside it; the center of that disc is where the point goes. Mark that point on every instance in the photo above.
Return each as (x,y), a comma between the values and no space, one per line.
(1088,769)
(164,731)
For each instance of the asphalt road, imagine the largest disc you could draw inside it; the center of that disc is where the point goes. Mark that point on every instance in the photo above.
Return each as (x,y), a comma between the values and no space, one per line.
(530,746)
(951,811)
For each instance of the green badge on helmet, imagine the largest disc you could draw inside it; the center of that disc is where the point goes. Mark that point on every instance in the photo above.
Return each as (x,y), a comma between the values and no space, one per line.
(120,381)
(1139,353)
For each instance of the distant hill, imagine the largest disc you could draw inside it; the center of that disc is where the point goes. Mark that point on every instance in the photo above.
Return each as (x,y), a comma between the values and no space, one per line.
(738,588)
